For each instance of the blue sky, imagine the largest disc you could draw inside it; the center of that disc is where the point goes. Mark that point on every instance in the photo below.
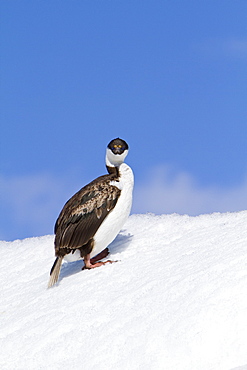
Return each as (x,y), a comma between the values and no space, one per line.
(169,77)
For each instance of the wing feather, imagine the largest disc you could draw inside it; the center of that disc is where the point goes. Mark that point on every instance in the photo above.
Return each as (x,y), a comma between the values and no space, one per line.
(82,215)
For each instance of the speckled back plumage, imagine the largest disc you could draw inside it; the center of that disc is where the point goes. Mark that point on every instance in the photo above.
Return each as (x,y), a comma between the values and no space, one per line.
(83,214)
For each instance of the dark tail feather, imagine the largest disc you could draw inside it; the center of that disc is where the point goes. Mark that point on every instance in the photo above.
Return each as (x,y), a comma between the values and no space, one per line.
(55,271)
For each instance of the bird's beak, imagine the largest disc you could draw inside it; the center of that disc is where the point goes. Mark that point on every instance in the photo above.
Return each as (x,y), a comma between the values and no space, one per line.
(118,151)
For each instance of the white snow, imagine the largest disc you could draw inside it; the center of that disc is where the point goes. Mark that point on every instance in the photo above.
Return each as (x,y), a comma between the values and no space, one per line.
(175,300)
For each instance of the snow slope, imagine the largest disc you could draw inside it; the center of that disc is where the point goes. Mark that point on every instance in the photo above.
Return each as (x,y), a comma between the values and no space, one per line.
(176,299)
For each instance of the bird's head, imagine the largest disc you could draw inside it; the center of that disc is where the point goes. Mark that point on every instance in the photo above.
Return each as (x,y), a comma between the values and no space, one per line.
(116,151)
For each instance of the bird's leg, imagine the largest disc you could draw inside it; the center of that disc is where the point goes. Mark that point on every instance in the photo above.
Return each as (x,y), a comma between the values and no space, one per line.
(92,263)
(102,254)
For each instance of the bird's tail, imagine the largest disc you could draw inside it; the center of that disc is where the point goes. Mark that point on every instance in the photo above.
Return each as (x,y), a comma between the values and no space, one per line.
(55,271)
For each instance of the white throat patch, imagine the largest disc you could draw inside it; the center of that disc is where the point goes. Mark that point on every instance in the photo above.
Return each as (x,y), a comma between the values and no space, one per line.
(115,159)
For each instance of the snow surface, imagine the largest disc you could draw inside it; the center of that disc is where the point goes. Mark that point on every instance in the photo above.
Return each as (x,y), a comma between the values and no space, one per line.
(176,299)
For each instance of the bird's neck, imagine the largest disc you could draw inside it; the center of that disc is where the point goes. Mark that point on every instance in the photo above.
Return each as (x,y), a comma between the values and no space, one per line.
(112,170)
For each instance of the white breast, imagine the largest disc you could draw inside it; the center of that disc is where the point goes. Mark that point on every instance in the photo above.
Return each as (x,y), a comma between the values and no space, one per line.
(117,217)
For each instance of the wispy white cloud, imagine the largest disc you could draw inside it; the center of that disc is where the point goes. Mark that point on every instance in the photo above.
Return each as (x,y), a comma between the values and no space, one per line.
(30,204)
(236,47)
(228,47)
(165,192)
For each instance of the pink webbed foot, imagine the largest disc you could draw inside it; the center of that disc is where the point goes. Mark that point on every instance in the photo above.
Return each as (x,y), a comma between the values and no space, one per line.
(93,262)
(90,266)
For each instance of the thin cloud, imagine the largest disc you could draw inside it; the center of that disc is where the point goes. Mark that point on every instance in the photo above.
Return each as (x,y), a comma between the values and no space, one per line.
(165,192)
(236,47)
(30,204)
(231,47)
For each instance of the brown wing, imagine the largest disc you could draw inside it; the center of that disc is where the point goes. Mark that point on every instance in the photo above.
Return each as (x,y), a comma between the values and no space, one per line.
(83,214)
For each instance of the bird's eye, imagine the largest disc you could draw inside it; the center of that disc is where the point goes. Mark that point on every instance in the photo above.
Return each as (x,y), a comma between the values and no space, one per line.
(117,146)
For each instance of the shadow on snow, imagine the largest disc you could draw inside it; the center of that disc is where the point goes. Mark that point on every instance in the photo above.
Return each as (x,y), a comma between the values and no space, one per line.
(119,244)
